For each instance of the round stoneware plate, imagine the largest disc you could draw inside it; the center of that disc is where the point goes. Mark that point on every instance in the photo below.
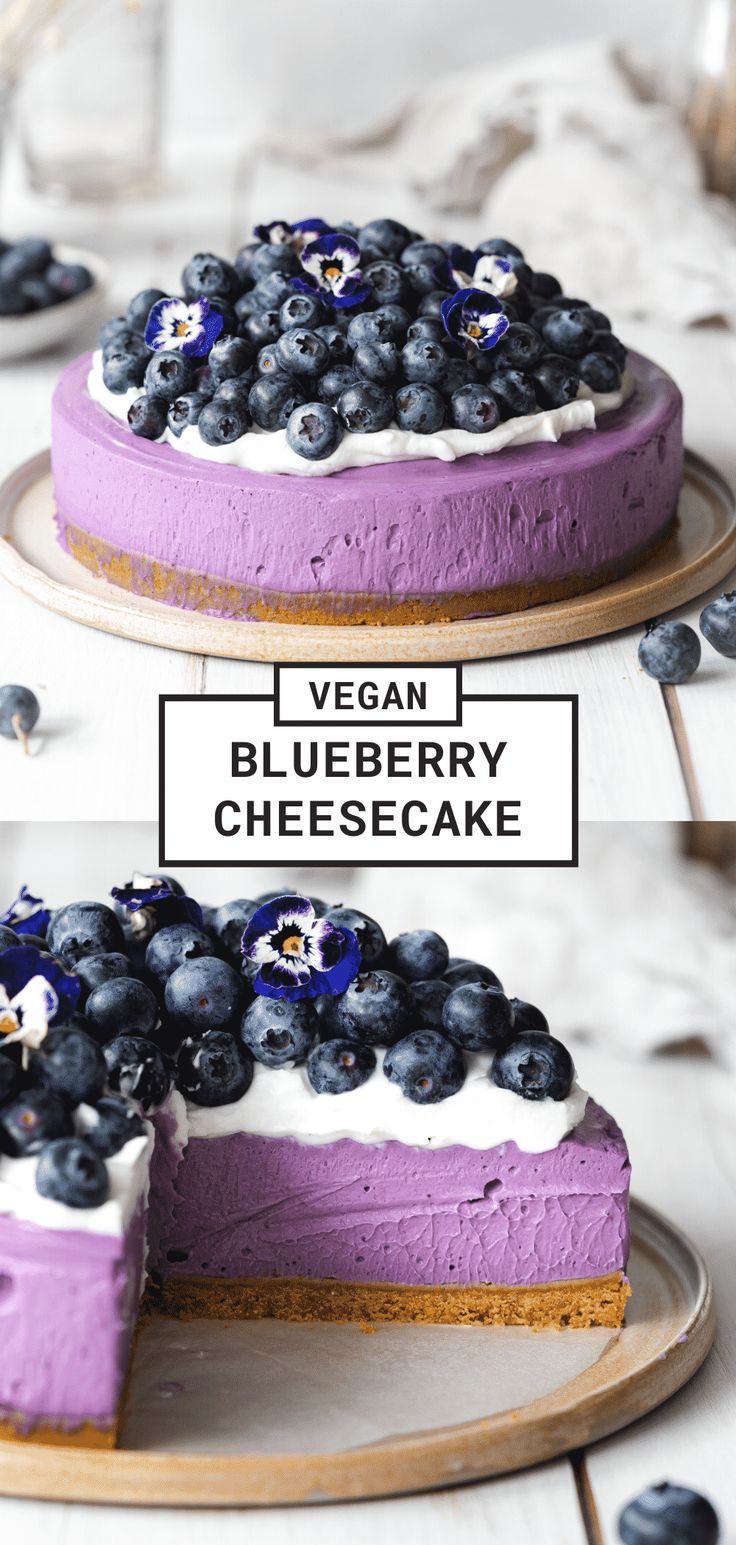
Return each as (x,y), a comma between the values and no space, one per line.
(232,1413)
(38,330)
(701,550)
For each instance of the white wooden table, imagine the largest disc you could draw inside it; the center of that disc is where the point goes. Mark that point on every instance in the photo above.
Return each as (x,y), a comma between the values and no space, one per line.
(678,1116)
(645,753)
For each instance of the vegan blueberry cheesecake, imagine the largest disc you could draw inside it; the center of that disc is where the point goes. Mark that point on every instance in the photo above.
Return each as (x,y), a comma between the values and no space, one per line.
(271,1110)
(359,425)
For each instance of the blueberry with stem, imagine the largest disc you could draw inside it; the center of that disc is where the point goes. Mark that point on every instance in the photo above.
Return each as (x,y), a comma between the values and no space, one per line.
(19,713)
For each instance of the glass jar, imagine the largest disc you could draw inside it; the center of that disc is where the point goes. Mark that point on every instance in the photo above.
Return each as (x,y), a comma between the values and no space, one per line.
(89,103)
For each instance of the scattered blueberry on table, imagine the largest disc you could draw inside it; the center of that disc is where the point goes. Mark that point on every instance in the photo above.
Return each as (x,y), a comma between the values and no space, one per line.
(32,279)
(669,651)
(718,624)
(320,330)
(104,1010)
(666,1514)
(19,713)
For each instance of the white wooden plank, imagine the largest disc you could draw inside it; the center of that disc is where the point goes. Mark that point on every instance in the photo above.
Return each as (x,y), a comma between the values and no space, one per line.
(678,1117)
(537,1505)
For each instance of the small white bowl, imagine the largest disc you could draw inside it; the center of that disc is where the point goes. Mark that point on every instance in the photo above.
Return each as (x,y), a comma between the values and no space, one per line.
(34,331)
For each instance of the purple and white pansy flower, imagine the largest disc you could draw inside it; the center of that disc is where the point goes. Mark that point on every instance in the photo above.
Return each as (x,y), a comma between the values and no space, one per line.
(332,268)
(474,319)
(191,327)
(280,233)
(27,914)
(488,271)
(35,991)
(298,954)
(152,904)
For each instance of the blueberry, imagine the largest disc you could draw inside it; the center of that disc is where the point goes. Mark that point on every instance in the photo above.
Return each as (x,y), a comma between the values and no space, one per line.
(31,255)
(123,368)
(71,1064)
(669,1515)
(418,955)
(535,1065)
(183,411)
(229,357)
(271,291)
(70,1171)
(499,245)
(478,1017)
(599,319)
(84,928)
(718,624)
(123,1005)
(461,971)
(267,363)
(387,281)
(423,360)
(66,280)
(148,416)
(422,252)
(208,275)
(314,431)
(545,285)
(303,352)
(669,651)
(376,1009)
(32,1119)
(600,373)
(426,1066)
(301,310)
(377,362)
(422,279)
(19,713)
(12,300)
(229,923)
(268,258)
(459,372)
(168,374)
(214,1070)
(38,294)
(280,1033)
(556,381)
(272,400)
(520,347)
(335,381)
(244,261)
(365,408)
(337,344)
(220,423)
(514,393)
(474,407)
(204,994)
(428,328)
(263,327)
(430,998)
(389,236)
(368,932)
(11,1080)
(114,1122)
(117,331)
(604,342)
(236,389)
(136,1067)
(335,1067)
(570,333)
(420,409)
(247,306)
(431,305)
(140,308)
(392,321)
(528,1017)
(171,946)
(379,326)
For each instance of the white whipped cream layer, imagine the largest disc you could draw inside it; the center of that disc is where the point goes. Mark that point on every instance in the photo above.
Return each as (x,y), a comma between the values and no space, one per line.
(262,450)
(282,1103)
(127,1173)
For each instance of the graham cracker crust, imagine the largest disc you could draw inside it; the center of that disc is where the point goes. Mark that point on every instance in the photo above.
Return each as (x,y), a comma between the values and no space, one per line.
(577,1304)
(86,1435)
(190,591)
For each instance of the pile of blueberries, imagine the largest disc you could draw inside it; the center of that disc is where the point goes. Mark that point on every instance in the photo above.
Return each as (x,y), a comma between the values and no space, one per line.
(31,278)
(670,650)
(167,1001)
(289,360)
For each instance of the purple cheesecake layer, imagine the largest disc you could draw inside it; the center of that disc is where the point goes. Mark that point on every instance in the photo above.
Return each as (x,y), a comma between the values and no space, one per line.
(68,1306)
(390,1213)
(527,516)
